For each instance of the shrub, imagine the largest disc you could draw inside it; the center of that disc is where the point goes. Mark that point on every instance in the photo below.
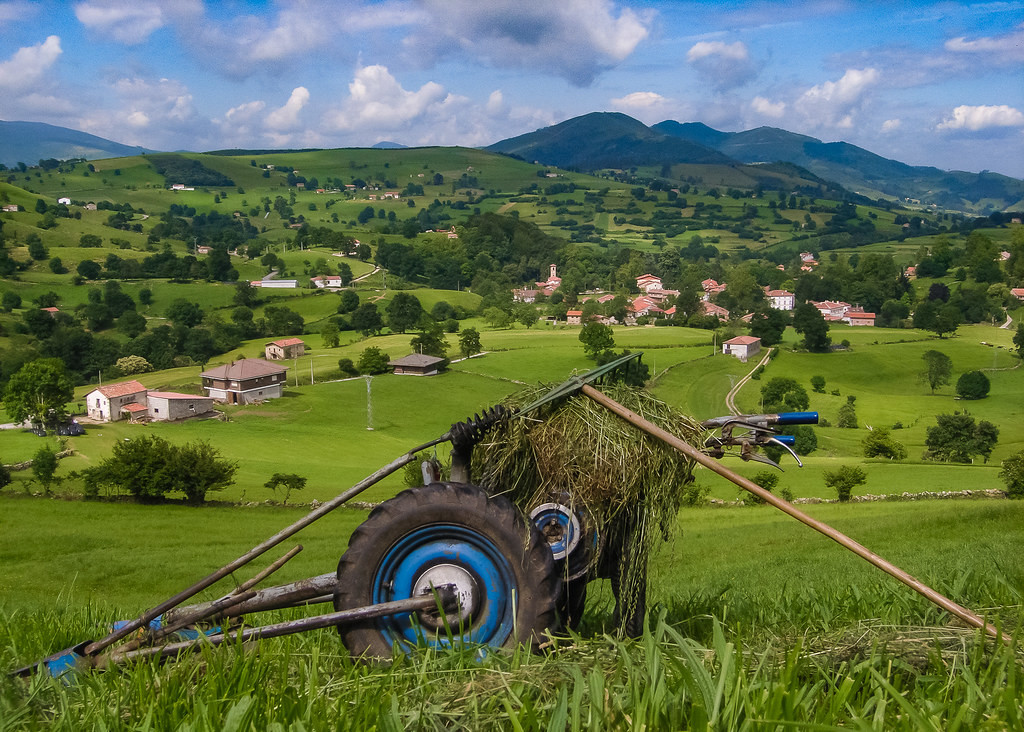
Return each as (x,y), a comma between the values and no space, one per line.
(373,361)
(347,368)
(1012,474)
(879,443)
(818,384)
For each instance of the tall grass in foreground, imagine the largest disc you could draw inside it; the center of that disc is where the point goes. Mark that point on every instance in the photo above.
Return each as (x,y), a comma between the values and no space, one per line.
(690,670)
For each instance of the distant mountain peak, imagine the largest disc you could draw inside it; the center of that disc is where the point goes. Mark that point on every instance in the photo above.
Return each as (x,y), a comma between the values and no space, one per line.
(30,142)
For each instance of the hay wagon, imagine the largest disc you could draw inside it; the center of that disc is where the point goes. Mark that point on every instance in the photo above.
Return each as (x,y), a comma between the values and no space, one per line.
(543,495)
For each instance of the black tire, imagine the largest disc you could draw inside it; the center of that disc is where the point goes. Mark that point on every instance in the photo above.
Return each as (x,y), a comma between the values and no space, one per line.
(571,602)
(454,528)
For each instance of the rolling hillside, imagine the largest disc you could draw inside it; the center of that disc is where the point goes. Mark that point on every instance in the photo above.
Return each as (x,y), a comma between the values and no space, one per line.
(29,142)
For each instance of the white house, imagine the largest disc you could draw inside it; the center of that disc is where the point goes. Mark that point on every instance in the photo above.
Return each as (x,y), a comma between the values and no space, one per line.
(780,299)
(326,281)
(108,403)
(742,347)
(648,282)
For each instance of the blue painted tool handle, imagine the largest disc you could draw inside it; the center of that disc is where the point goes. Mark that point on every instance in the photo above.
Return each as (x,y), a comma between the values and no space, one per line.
(789,440)
(797,418)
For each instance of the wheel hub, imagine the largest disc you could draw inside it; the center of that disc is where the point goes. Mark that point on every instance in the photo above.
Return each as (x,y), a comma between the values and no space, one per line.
(462,583)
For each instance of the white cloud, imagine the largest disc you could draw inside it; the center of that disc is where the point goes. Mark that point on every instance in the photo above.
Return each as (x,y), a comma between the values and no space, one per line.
(834,103)
(29,64)
(287,117)
(298,30)
(768,108)
(1007,48)
(891,125)
(640,100)
(728,65)
(376,98)
(575,39)
(244,113)
(496,104)
(974,119)
(133,21)
(12,12)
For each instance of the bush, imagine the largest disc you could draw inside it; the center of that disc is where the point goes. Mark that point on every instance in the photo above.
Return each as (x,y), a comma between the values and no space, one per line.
(1012,474)
(373,361)
(879,443)
(347,368)
(818,384)
(768,480)
(973,385)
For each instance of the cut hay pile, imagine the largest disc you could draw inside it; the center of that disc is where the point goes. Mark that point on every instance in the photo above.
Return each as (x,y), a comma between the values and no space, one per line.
(577,453)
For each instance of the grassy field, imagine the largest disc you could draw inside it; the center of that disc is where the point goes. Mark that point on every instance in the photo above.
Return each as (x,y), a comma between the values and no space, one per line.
(750,628)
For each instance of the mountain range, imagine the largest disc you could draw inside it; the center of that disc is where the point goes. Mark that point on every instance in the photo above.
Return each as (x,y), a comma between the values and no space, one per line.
(30,142)
(603,140)
(613,140)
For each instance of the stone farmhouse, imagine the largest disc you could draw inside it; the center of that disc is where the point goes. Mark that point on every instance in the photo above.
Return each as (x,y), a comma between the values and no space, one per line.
(244,382)
(417,364)
(131,400)
(284,348)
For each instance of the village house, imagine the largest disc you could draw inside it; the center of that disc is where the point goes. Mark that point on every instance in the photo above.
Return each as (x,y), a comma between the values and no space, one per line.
(204,249)
(712,288)
(648,282)
(644,306)
(244,382)
(64,201)
(326,281)
(573,317)
(857,316)
(417,364)
(833,311)
(780,299)
(1017,292)
(169,406)
(551,284)
(742,347)
(11,208)
(524,295)
(108,403)
(285,348)
(709,308)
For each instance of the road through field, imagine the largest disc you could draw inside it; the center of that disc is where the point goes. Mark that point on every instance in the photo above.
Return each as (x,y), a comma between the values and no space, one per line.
(730,398)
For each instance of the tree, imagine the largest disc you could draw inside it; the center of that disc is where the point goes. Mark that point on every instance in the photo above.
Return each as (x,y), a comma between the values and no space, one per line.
(131,324)
(497,318)
(329,334)
(1012,473)
(847,418)
(283,320)
(469,342)
(245,295)
(527,314)
(947,319)
(131,365)
(938,369)
(10,301)
(956,438)
(769,326)
(879,442)
(784,394)
(973,385)
(347,368)
(596,339)
(289,481)
(366,319)
(373,361)
(345,273)
(403,312)
(184,312)
(44,468)
(1018,339)
(811,324)
(767,479)
(36,249)
(38,392)
(844,479)
(150,467)
(818,384)
(348,301)
(57,266)
(430,341)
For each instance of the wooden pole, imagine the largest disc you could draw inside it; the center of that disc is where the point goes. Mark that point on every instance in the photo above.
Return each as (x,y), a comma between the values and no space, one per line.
(842,539)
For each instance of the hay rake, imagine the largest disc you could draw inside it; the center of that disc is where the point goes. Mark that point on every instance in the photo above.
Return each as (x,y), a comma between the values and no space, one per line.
(446,563)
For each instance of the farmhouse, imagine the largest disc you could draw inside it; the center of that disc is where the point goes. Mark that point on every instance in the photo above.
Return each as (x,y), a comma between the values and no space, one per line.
(326,281)
(709,308)
(648,282)
(168,406)
(742,347)
(246,381)
(285,348)
(859,317)
(417,364)
(1017,292)
(108,403)
(573,317)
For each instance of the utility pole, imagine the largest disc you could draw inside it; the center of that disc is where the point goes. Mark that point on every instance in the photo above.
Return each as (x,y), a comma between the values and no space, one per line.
(369,404)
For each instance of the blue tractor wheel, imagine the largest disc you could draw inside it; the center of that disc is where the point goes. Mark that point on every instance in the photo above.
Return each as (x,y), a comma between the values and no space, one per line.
(447,534)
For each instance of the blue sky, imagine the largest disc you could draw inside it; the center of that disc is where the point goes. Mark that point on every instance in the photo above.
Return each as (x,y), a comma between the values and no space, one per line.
(927,83)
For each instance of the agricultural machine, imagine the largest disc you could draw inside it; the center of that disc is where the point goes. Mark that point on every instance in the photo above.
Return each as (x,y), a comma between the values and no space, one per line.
(452,563)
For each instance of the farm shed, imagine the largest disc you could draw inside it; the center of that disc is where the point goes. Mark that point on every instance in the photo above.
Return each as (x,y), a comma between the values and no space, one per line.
(417,364)
(246,381)
(285,348)
(168,406)
(742,347)
(105,403)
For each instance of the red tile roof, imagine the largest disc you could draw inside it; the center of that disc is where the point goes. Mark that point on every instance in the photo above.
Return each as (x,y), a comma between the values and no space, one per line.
(288,342)
(743,340)
(119,390)
(134,407)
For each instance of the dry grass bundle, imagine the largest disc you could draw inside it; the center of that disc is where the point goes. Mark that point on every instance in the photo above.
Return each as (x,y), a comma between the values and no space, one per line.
(578,453)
